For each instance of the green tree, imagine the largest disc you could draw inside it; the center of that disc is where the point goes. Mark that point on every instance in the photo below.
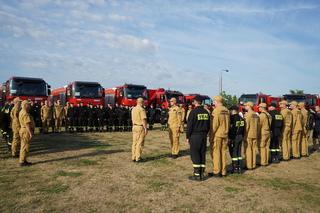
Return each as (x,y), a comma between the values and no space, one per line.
(229,100)
(296,92)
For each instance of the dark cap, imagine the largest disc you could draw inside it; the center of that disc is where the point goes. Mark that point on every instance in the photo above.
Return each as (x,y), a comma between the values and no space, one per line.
(234,107)
(273,105)
(198,98)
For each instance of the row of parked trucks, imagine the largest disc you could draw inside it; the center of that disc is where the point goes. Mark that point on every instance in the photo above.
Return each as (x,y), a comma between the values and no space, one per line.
(37,90)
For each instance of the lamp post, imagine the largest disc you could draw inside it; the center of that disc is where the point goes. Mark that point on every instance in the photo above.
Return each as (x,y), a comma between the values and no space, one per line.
(220,80)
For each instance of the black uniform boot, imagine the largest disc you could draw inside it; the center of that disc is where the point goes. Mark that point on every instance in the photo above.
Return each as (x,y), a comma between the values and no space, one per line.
(234,167)
(196,175)
(239,167)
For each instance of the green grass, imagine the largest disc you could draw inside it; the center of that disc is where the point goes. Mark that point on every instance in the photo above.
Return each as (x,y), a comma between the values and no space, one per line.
(231,189)
(158,185)
(54,188)
(85,162)
(67,174)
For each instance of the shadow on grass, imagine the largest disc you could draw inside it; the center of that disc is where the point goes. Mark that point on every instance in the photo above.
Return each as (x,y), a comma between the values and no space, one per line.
(52,143)
(96,153)
(166,155)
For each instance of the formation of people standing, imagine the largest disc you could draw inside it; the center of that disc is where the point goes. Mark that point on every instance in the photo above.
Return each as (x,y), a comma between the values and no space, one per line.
(277,134)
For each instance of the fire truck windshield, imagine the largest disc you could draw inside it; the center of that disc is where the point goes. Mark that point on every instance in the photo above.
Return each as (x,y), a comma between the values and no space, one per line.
(179,97)
(207,101)
(27,87)
(248,98)
(85,90)
(135,92)
(297,98)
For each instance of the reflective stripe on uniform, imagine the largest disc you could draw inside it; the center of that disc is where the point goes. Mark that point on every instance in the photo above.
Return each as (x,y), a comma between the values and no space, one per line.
(196,165)
(239,158)
(273,150)
(202,166)
(196,174)
(234,159)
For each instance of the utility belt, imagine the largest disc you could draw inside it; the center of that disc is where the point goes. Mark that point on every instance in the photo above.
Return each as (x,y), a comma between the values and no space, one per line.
(137,125)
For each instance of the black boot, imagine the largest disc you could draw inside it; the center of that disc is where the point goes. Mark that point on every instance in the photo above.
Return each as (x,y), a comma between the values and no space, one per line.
(234,167)
(196,175)
(239,167)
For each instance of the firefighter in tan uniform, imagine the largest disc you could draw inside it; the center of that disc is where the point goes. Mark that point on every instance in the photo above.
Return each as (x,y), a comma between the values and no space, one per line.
(183,116)
(296,129)
(251,135)
(305,134)
(26,132)
(286,131)
(15,124)
(46,116)
(219,134)
(139,129)
(264,133)
(174,123)
(58,115)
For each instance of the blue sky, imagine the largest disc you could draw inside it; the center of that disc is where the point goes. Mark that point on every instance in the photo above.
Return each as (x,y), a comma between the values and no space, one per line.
(268,46)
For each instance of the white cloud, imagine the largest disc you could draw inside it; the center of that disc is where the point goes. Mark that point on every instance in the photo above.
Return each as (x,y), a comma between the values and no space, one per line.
(116,17)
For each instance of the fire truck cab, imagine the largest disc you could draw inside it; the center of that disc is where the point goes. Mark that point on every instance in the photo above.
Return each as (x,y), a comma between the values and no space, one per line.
(80,92)
(126,95)
(33,89)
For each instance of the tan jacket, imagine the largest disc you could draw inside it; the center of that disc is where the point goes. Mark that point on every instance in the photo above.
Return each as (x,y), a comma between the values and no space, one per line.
(265,123)
(58,112)
(296,121)
(138,115)
(252,125)
(15,124)
(175,117)
(45,112)
(287,120)
(304,113)
(220,123)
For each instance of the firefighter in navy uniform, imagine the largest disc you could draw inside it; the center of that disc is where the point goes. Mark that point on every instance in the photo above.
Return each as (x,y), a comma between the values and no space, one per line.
(151,116)
(111,118)
(82,113)
(100,117)
(164,118)
(70,118)
(91,117)
(116,120)
(198,127)
(236,136)
(276,129)
(5,124)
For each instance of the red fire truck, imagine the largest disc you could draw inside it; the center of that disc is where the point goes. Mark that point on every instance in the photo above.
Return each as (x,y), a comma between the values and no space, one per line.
(161,97)
(206,99)
(256,99)
(33,89)
(126,95)
(80,92)
(308,99)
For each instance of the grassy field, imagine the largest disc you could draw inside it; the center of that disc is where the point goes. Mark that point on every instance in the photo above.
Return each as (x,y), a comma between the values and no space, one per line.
(94,173)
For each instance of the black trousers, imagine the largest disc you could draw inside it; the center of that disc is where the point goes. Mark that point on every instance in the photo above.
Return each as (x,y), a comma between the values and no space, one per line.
(274,145)
(235,148)
(198,146)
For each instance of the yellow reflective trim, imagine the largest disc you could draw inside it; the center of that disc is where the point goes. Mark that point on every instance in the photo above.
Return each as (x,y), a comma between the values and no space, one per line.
(196,165)
(234,159)
(202,165)
(239,158)
(196,174)
(278,117)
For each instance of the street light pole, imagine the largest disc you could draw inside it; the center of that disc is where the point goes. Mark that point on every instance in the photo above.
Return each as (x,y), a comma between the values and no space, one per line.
(220,82)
